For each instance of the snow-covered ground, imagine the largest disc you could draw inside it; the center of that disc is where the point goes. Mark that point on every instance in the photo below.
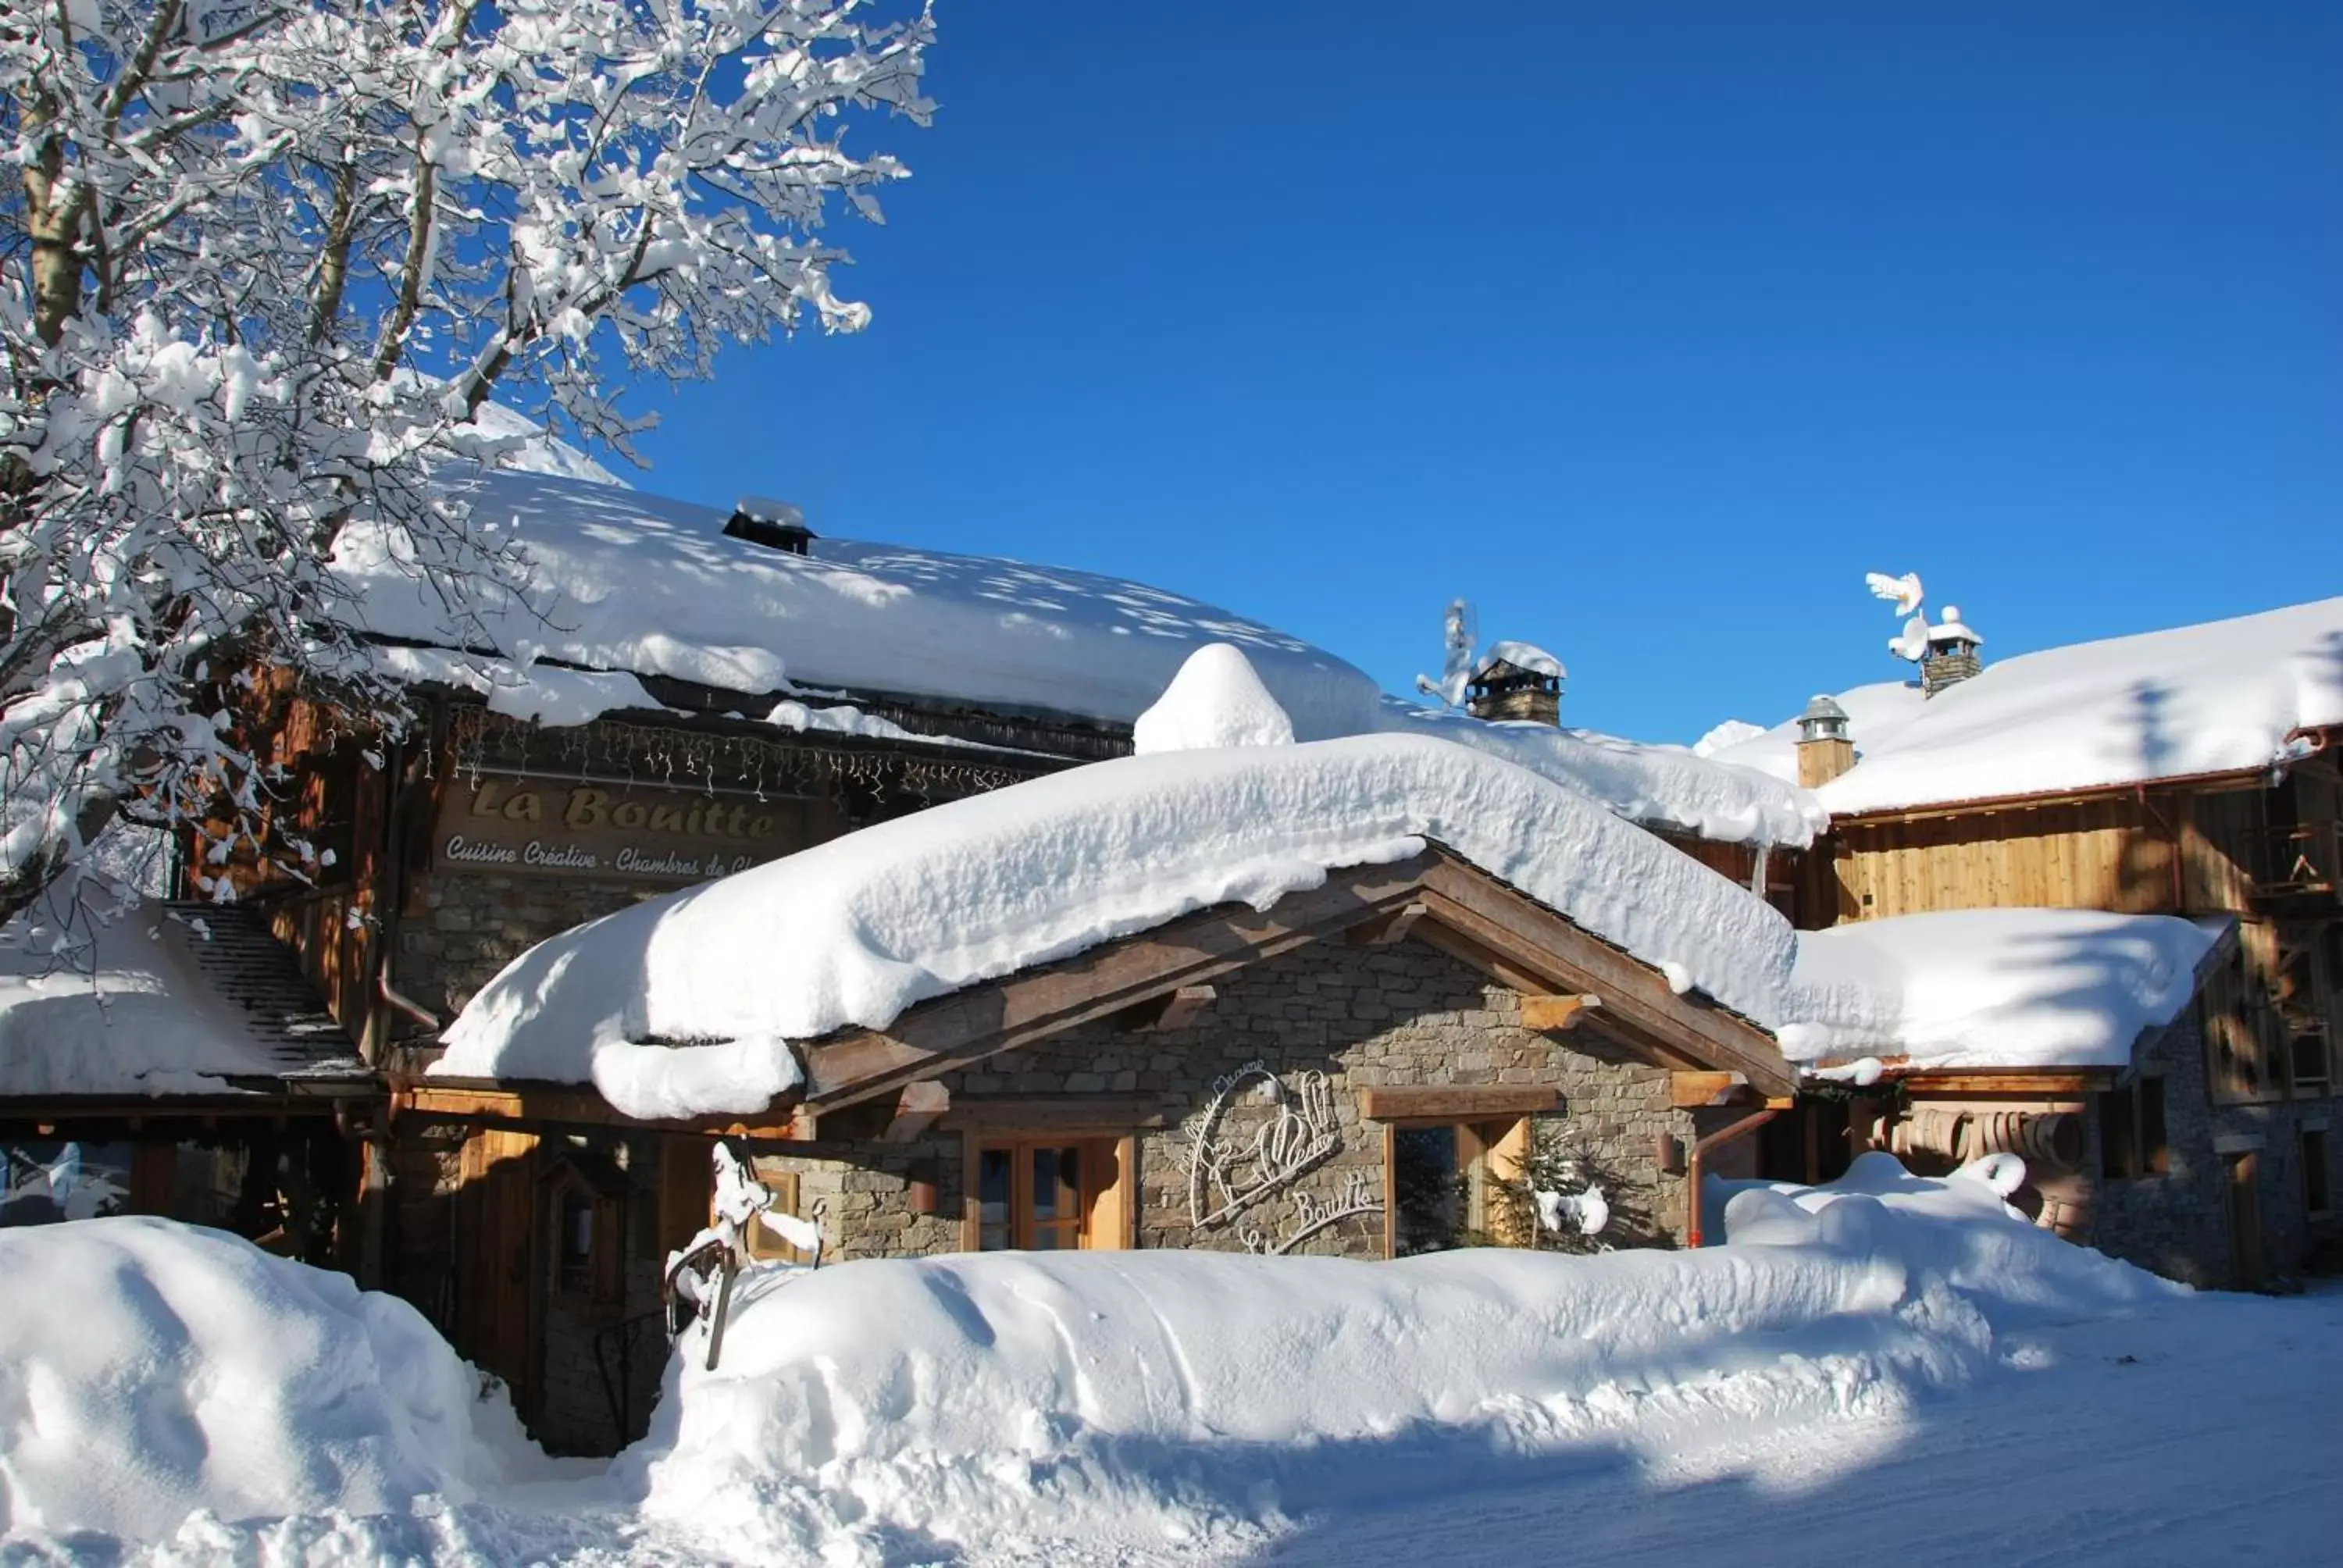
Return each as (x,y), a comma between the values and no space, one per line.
(1890,1368)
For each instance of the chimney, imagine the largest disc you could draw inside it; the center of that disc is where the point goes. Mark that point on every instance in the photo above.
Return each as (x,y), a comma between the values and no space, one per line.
(776,525)
(1516,680)
(1951,655)
(1824,751)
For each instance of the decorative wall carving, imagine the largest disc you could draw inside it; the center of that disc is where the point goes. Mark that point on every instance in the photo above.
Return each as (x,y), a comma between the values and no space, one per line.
(1299,1135)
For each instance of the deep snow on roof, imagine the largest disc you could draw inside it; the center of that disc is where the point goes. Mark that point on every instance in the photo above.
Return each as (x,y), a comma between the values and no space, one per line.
(624,581)
(855,931)
(1981,989)
(160,1001)
(1658,786)
(2216,697)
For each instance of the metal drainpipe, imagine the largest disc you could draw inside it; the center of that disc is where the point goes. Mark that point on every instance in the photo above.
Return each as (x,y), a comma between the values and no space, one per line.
(1715,1139)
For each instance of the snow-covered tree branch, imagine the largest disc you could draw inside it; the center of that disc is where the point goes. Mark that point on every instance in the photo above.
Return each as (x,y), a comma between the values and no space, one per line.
(264,262)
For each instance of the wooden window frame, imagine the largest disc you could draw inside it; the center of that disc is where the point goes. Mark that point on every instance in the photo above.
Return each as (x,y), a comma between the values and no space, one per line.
(1481,1142)
(2144,1151)
(1110,1209)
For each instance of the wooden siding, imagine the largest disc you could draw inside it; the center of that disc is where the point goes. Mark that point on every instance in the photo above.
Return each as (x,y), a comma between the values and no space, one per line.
(2164,853)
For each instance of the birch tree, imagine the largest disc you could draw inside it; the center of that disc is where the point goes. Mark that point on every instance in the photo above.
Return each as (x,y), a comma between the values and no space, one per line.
(264,262)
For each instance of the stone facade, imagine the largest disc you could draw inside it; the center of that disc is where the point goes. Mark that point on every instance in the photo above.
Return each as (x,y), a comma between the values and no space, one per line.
(1404,1016)
(464,926)
(2177,1220)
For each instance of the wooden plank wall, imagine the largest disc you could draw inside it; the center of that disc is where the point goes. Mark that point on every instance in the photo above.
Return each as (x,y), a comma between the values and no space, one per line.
(2113,853)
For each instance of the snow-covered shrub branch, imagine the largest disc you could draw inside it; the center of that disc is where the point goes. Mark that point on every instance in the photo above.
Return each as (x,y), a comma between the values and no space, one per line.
(264,263)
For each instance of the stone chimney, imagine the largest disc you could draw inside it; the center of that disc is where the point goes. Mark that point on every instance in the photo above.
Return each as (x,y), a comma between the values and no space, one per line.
(1951,655)
(1824,750)
(1516,680)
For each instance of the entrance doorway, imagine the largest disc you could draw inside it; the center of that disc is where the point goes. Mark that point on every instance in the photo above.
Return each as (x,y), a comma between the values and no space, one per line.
(2244,1169)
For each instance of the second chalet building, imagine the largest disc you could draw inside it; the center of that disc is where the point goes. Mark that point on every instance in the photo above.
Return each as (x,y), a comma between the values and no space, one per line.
(2171,1076)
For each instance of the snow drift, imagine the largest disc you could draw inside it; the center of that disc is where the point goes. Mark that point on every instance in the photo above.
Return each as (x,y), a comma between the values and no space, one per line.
(149,1369)
(952,1398)
(855,931)
(1982,989)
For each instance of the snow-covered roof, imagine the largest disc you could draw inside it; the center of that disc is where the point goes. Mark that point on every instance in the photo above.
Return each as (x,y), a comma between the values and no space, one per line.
(2221,697)
(1526,656)
(161,1002)
(1989,990)
(627,582)
(856,930)
(1658,786)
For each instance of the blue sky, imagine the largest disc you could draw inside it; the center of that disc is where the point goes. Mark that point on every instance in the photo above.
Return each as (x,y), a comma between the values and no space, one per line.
(1647,328)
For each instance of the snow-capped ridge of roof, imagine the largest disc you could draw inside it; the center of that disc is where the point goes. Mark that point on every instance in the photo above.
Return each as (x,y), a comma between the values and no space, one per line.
(853,931)
(2214,698)
(626,582)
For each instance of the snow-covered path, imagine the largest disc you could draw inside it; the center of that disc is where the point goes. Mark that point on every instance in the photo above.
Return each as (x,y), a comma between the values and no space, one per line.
(2209,1432)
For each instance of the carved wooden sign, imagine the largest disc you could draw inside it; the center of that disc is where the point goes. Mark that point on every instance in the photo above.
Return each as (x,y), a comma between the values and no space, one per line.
(516,825)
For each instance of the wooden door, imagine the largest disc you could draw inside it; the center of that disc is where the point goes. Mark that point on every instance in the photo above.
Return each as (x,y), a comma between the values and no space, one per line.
(496,1250)
(2244,1220)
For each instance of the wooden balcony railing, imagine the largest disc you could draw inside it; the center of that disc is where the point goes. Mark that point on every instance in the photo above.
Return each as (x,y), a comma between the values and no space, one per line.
(2304,861)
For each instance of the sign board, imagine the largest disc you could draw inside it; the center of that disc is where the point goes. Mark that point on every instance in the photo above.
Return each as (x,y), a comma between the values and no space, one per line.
(515,824)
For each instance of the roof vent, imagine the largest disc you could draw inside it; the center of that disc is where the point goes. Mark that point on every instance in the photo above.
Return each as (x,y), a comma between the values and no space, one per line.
(776,525)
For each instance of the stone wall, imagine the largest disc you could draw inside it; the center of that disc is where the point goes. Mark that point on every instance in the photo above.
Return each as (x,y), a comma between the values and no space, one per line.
(2176,1222)
(1356,1018)
(464,926)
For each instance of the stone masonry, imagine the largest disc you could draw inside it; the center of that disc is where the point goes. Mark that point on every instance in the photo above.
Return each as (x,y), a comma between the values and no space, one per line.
(1403,1016)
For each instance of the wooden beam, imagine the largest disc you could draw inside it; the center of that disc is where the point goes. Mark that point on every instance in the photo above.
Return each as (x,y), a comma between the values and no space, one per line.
(1384,930)
(443,1100)
(1689,1091)
(2030,1083)
(916,1110)
(1054,1112)
(1497,917)
(1176,1008)
(1452,1102)
(1555,1014)
(1093,986)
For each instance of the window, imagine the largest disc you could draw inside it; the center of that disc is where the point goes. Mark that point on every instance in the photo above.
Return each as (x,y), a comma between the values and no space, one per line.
(1444,1177)
(2317,1196)
(2131,1131)
(573,1255)
(1049,1194)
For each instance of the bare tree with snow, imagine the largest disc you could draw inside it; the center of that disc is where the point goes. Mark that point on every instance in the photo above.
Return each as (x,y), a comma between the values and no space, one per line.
(265,261)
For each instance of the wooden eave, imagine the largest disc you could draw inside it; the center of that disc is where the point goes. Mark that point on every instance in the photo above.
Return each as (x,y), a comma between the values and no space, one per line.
(1465,911)
(2222,781)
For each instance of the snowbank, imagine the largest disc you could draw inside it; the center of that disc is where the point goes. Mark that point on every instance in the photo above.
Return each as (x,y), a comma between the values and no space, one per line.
(631,582)
(954,1398)
(2216,697)
(1658,786)
(855,931)
(1983,989)
(149,1369)
(129,1013)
